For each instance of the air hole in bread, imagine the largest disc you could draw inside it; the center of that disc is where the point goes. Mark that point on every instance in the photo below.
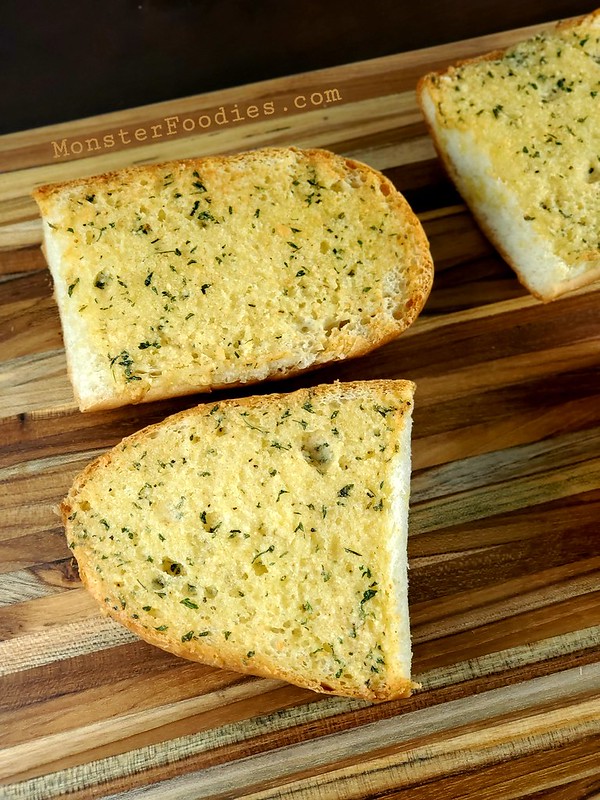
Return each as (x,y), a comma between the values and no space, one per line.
(172,567)
(593,175)
(317,451)
(385,189)
(400,311)
(335,325)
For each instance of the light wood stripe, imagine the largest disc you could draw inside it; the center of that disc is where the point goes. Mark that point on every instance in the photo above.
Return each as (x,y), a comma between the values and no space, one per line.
(87,635)
(16,587)
(504,465)
(35,753)
(487,745)
(515,657)
(487,501)
(472,440)
(491,746)
(521,603)
(33,383)
(552,361)
(37,465)
(403,728)
(21,234)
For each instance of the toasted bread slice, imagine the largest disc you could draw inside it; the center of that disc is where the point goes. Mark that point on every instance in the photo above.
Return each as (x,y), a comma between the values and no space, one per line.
(197,274)
(265,535)
(518,133)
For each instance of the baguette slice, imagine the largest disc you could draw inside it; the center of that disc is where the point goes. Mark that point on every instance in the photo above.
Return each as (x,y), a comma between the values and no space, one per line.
(518,133)
(265,535)
(183,277)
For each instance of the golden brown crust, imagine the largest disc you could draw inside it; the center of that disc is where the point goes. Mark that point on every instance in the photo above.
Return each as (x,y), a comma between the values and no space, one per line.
(200,650)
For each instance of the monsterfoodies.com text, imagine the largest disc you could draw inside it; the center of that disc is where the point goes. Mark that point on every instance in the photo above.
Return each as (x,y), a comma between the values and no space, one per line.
(179,124)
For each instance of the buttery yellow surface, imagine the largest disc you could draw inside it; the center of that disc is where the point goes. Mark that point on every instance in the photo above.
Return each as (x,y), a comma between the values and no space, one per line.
(534,113)
(199,278)
(266,532)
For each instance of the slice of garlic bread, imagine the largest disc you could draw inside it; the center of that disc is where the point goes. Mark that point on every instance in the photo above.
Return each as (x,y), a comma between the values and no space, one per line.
(518,132)
(191,275)
(266,535)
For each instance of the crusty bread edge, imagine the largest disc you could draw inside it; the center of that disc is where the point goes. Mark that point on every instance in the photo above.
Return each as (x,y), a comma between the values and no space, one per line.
(396,688)
(419,281)
(426,87)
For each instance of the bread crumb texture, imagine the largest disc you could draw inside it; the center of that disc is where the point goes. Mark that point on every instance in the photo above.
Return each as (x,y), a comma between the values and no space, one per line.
(266,535)
(521,127)
(194,274)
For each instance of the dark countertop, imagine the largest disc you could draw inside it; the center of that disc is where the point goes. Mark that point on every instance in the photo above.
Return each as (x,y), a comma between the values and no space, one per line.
(61,61)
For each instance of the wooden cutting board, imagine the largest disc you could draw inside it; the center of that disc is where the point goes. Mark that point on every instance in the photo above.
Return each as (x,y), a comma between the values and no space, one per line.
(504,545)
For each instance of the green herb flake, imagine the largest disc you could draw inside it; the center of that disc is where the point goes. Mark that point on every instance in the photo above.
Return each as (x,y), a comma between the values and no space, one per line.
(369,593)
(268,550)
